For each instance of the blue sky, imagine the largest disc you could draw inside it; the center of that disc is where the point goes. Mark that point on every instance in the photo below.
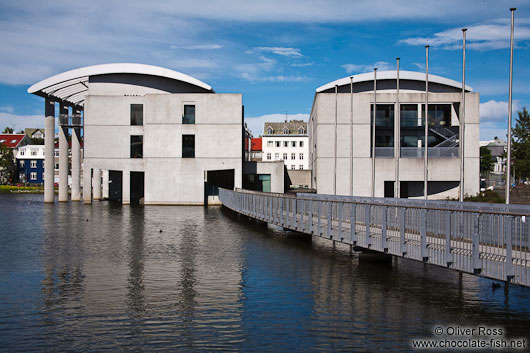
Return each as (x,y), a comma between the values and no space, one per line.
(276,53)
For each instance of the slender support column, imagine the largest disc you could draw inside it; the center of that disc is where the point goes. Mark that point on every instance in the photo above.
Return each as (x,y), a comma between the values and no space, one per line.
(49,126)
(63,153)
(87,184)
(105,185)
(76,157)
(96,184)
(126,188)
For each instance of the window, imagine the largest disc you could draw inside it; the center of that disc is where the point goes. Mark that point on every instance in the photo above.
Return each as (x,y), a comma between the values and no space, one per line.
(270,143)
(285,131)
(188,146)
(33,176)
(285,156)
(285,143)
(293,155)
(268,156)
(270,131)
(137,114)
(33,152)
(2,141)
(137,146)
(293,143)
(33,164)
(189,114)
(13,141)
(277,143)
(301,130)
(22,152)
(56,166)
(276,156)
(56,153)
(21,164)
(301,166)
(301,156)
(293,167)
(301,143)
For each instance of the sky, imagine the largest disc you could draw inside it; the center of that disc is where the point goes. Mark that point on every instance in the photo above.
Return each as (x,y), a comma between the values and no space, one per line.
(275,53)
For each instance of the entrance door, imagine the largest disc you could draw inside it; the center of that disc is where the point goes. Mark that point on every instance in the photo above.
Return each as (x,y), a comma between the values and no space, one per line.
(115,185)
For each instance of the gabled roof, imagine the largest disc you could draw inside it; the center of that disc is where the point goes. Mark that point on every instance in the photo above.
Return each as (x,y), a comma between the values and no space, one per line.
(11,140)
(30,131)
(292,126)
(392,75)
(256,144)
(72,86)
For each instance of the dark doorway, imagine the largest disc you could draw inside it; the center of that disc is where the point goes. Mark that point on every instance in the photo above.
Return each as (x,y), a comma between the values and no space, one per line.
(389,189)
(216,179)
(137,187)
(115,185)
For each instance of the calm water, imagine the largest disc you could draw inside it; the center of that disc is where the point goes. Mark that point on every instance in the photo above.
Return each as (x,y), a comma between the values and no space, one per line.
(108,278)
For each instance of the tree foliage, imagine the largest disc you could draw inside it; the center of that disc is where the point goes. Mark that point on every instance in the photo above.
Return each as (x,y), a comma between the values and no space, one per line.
(7,164)
(7,130)
(521,146)
(486,160)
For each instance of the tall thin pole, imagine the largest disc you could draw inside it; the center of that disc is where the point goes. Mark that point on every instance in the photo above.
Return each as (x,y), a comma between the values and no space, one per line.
(335,153)
(426,147)
(351,136)
(509,147)
(373,132)
(397,133)
(463,116)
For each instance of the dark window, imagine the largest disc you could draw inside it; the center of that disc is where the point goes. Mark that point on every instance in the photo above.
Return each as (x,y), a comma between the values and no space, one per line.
(188,146)
(189,114)
(137,146)
(137,114)
(384,125)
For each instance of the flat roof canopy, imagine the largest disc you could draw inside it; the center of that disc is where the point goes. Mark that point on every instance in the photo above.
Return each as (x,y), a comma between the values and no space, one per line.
(71,86)
(392,75)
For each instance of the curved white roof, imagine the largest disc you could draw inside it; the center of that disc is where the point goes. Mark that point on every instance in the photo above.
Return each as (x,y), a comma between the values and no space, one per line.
(392,75)
(71,86)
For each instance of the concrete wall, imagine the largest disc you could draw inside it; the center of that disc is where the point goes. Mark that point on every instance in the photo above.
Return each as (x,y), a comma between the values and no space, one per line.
(274,168)
(169,179)
(300,177)
(289,162)
(332,157)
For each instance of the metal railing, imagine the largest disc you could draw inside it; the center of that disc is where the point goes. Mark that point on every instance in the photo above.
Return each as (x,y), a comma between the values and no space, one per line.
(489,240)
(434,152)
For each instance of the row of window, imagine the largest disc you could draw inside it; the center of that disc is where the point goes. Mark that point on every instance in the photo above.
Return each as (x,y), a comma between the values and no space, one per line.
(137,114)
(286,131)
(188,146)
(277,156)
(33,152)
(285,143)
(32,164)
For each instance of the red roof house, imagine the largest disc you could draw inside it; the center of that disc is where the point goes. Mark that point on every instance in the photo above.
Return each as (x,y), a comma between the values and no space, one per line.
(256,144)
(12,140)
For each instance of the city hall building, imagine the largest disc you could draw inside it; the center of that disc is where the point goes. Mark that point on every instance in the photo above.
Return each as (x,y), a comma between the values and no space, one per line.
(340,132)
(150,134)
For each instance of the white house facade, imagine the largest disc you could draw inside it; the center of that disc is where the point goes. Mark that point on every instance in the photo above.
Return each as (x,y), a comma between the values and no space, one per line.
(287,142)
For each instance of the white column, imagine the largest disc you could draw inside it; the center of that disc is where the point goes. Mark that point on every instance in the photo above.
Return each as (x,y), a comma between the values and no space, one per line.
(126,187)
(87,184)
(63,155)
(49,126)
(105,185)
(96,184)
(76,156)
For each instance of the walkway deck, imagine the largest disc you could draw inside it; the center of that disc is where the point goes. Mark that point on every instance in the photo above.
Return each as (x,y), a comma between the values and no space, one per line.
(488,240)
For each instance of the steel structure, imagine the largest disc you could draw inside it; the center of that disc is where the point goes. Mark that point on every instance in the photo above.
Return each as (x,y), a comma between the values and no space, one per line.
(488,240)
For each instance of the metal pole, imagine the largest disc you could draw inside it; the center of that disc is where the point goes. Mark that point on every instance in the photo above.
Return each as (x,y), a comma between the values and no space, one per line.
(426,144)
(509,146)
(335,153)
(373,132)
(463,116)
(351,136)
(397,137)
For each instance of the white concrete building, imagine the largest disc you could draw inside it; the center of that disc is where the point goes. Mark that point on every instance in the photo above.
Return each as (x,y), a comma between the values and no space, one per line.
(156,131)
(341,136)
(287,142)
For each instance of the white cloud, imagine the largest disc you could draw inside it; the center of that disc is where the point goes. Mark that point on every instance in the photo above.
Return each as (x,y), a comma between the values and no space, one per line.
(355,68)
(288,52)
(489,36)
(197,46)
(191,63)
(19,122)
(7,108)
(255,124)
(494,111)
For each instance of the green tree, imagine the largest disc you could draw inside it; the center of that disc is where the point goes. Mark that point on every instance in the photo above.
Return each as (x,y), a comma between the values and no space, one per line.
(486,161)
(7,164)
(521,146)
(7,130)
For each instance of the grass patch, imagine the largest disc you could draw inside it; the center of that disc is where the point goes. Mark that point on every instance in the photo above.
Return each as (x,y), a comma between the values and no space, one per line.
(13,189)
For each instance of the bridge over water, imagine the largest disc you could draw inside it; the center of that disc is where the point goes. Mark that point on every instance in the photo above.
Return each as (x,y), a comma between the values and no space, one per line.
(488,240)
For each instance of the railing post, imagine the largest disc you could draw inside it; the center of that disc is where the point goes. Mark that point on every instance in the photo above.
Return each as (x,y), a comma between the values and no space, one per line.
(340,236)
(353,224)
(448,254)
(310,217)
(367,221)
(287,207)
(477,265)
(273,213)
(423,235)
(281,210)
(384,227)
(329,225)
(295,208)
(402,225)
(302,211)
(508,266)
(319,219)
